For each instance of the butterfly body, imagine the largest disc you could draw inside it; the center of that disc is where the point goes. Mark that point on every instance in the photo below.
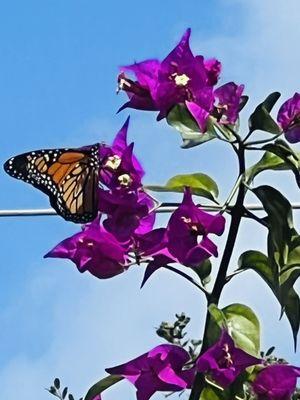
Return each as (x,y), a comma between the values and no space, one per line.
(69,177)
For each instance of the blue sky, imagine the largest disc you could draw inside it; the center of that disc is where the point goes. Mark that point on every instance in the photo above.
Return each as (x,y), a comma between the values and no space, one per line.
(59,61)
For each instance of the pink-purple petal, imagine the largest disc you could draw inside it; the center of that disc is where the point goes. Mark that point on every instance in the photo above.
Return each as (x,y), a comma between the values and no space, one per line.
(289,110)
(146,72)
(228,102)
(213,68)
(292,134)
(167,375)
(276,382)
(181,52)
(200,115)
(158,370)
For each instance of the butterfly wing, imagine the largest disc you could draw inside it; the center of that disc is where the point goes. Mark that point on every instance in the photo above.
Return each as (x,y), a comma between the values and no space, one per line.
(68,176)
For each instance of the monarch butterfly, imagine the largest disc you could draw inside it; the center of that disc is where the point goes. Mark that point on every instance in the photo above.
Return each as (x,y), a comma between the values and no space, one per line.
(69,177)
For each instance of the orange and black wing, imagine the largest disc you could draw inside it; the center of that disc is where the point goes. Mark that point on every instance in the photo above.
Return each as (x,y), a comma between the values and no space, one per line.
(68,176)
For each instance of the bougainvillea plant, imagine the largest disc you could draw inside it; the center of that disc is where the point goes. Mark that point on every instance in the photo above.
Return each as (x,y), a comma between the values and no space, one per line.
(227,362)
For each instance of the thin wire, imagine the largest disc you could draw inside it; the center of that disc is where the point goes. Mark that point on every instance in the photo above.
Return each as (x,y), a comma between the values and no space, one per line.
(163,208)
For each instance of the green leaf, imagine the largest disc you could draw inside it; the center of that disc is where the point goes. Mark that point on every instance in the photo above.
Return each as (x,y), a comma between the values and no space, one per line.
(286,153)
(227,130)
(269,161)
(212,393)
(291,308)
(204,271)
(217,322)
(259,263)
(289,298)
(244,327)
(281,285)
(261,118)
(218,316)
(102,385)
(57,383)
(243,101)
(52,390)
(64,392)
(182,120)
(200,184)
(241,323)
(290,272)
(270,351)
(280,220)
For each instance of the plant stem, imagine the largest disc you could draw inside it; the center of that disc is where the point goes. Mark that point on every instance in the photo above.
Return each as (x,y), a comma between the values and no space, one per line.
(247,136)
(255,148)
(264,140)
(236,216)
(249,214)
(232,193)
(189,278)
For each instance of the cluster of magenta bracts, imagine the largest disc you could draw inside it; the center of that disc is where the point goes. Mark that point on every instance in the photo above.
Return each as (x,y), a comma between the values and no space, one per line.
(182,78)
(125,235)
(167,368)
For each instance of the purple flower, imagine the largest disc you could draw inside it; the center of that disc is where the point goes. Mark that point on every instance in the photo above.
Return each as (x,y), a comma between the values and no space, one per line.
(158,370)
(188,231)
(139,92)
(180,77)
(228,99)
(224,362)
(120,168)
(94,250)
(289,118)
(128,213)
(276,382)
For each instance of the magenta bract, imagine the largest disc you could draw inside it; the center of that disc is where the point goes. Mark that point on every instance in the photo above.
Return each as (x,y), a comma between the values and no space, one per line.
(120,169)
(199,113)
(158,370)
(128,213)
(289,118)
(224,361)
(94,250)
(213,69)
(188,231)
(227,105)
(276,382)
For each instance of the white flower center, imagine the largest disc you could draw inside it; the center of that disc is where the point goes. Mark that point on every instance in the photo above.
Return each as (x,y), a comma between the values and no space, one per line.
(181,80)
(189,222)
(113,162)
(122,83)
(125,180)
